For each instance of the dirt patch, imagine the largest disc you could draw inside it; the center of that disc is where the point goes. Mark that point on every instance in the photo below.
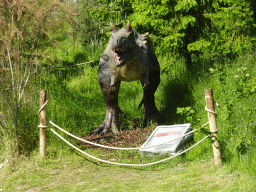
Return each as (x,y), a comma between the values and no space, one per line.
(134,137)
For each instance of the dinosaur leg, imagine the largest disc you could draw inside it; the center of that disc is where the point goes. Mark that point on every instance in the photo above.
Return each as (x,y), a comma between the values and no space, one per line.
(104,127)
(112,112)
(111,99)
(150,110)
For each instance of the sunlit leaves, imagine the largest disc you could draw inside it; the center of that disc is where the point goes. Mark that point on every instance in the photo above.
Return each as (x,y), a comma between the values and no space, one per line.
(200,45)
(185,5)
(187,20)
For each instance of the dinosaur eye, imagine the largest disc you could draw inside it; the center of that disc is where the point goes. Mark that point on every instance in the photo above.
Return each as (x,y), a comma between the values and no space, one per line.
(120,41)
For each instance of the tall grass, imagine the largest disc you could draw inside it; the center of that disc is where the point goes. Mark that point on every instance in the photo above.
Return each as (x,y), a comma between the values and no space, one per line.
(233,83)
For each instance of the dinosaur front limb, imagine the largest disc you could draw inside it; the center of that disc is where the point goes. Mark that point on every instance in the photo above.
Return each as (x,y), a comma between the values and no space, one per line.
(145,82)
(112,82)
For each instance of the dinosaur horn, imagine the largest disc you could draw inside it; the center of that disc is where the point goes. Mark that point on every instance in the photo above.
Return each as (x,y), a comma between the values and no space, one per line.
(114,28)
(128,26)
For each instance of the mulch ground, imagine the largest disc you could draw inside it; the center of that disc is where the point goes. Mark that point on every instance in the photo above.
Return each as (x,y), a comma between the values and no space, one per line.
(128,138)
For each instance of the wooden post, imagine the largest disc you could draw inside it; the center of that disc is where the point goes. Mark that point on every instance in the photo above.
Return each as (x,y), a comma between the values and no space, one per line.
(42,126)
(213,126)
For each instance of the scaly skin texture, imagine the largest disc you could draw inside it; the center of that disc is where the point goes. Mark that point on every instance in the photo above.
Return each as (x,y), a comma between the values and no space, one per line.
(128,57)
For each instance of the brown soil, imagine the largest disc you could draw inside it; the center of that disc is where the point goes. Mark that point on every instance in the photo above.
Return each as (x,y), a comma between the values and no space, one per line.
(128,138)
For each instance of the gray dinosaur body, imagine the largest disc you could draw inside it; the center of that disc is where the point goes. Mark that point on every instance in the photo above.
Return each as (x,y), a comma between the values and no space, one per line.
(127,57)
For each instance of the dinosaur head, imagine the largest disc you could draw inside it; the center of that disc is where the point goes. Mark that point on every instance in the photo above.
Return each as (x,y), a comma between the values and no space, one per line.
(123,43)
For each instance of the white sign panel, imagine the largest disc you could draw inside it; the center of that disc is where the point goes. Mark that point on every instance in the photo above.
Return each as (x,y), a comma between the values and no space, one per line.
(166,136)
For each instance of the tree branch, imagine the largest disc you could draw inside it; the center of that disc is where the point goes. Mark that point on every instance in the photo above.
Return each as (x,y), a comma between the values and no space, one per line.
(10,62)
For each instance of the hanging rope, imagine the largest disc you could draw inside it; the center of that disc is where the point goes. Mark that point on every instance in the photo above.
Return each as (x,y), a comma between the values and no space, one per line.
(118,148)
(41,108)
(109,147)
(124,164)
(209,110)
(73,65)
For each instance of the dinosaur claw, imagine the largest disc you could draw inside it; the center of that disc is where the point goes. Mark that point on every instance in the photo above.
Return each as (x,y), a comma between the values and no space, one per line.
(147,87)
(91,133)
(111,87)
(111,120)
(97,131)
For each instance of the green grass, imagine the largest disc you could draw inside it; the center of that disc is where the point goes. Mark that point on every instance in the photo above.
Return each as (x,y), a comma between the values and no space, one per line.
(73,172)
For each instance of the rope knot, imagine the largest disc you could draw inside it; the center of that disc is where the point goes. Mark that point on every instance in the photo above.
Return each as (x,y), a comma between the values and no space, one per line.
(42,107)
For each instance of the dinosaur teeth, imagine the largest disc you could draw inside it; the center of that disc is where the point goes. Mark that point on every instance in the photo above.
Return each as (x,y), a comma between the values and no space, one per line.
(119,54)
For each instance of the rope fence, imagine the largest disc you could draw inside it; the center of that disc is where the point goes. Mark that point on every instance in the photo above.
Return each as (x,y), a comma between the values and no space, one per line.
(125,164)
(119,148)
(73,65)
(42,114)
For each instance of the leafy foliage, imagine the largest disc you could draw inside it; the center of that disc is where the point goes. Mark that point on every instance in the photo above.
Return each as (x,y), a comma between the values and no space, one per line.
(26,31)
(233,27)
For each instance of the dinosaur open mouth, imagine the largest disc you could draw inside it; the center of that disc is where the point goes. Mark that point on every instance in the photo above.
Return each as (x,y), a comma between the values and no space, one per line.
(119,54)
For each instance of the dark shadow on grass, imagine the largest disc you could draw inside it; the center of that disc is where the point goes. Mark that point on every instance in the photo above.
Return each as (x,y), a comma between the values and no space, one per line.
(177,94)
(177,88)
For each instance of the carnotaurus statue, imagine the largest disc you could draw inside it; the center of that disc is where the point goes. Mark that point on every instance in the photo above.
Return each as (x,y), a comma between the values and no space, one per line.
(127,57)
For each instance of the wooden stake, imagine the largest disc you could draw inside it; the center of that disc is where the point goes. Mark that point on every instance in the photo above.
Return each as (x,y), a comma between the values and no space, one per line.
(213,126)
(42,126)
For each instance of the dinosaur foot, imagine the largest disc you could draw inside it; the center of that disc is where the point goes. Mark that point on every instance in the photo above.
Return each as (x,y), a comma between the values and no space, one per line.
(104,128)
(155,117)
(111,120)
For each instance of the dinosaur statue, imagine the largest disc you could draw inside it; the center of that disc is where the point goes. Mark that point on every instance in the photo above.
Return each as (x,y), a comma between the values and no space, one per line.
(127,57)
